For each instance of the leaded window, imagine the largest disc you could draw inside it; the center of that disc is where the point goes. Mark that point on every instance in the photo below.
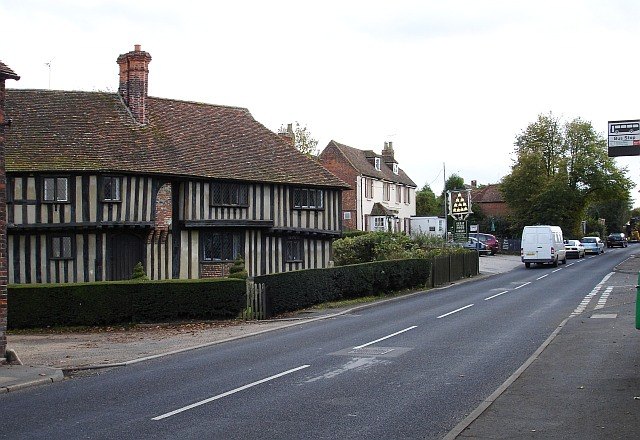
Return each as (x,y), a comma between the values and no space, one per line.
(222,246)
(308,198)
(294,250)
(111,189)
(61,247)
(55,189)
(229,194)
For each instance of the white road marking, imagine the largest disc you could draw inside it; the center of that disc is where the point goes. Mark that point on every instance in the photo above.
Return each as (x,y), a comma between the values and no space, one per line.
(543,276)
(455,311)
(385,337)
(570,264)
(497,294)
(587,299)
(522,285)
(228,393)
(557,270)
(603,298)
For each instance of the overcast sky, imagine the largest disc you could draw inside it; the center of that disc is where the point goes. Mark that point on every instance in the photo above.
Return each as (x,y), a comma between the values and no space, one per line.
(451,84)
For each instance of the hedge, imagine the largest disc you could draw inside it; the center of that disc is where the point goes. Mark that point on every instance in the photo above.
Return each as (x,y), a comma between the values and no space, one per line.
(118,302)
(290,291)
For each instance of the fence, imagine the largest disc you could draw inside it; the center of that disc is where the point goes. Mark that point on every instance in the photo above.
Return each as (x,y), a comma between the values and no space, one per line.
(448,268)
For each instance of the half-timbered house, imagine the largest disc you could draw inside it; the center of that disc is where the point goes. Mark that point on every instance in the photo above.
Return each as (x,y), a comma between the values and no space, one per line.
(98,182)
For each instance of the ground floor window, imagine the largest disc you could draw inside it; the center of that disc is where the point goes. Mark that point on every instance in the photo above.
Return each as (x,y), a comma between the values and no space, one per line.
(61,247)
(221,246)
(293,250)
(378,224)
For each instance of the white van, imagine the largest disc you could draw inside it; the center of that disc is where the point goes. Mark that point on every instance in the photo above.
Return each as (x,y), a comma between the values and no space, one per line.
(542,245)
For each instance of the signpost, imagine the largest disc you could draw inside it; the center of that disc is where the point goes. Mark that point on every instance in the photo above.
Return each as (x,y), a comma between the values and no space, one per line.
(623,138)
(459,202)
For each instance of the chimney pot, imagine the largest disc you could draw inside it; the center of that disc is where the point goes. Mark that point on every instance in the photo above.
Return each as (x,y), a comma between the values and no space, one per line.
(136,47)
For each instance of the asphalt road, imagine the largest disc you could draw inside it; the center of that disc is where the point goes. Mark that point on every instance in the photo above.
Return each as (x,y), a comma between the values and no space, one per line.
(407,369)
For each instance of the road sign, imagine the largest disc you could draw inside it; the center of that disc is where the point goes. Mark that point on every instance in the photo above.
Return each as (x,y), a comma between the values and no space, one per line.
(623,138)
(459,204)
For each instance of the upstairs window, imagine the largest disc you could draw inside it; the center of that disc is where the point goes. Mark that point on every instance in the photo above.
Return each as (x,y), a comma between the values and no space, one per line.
(398,193)
(368,188)
(55,189)
(229,194)
(308,198)
(61,247)
(110,190)
(377,163)
(386,189)
(407,195)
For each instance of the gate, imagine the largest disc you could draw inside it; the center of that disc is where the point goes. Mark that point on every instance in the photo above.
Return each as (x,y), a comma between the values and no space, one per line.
(256,301)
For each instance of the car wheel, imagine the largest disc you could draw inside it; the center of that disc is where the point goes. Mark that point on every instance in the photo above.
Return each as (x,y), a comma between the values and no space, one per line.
(555,263)
(527,265)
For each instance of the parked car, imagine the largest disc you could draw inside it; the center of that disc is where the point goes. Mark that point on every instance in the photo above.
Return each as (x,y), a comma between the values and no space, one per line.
(574,249)
(490,240)
(616,239)
(592,245)
(473,243)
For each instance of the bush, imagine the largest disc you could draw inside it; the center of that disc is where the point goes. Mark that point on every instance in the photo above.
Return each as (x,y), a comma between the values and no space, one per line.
(238,270)
(120,302)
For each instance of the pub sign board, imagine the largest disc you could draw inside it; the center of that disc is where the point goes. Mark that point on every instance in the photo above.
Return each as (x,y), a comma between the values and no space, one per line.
(623,138)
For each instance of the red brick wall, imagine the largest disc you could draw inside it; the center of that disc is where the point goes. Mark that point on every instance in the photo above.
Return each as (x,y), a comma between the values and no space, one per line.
(163,208)
(3,232)
(335,162)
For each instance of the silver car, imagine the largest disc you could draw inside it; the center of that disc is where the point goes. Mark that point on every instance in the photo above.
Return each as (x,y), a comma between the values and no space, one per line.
(593,245)
(574,249)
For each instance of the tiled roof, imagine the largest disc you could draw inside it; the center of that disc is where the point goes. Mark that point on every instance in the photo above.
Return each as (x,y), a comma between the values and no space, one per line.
(487,194)
(358,159)
(93,131)
(6,72)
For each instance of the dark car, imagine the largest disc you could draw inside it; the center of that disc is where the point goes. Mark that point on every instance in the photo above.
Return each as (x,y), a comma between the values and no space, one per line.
(490,240)
(617,239)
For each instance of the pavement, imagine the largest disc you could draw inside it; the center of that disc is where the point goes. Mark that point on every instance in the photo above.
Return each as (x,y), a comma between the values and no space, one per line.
(583,382)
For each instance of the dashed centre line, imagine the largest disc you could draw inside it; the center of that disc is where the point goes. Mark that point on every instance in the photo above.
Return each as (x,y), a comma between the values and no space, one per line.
(455,311)
(496,295)
(543,276)
(385,337)
(522,285)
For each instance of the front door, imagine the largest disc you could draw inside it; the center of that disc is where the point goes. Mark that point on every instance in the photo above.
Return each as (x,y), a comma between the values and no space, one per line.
(124,252)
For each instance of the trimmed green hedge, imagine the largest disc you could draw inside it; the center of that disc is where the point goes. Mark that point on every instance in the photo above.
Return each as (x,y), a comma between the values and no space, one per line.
(118,302)
(289,291)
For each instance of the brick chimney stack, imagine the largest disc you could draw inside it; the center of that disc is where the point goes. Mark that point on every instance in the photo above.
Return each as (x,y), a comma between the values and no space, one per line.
(288,135)
(387,153)
(134,76)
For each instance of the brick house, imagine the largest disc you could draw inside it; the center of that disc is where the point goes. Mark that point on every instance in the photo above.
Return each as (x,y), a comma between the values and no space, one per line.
(490,200)
(382,195)
(98,182)
(5,74)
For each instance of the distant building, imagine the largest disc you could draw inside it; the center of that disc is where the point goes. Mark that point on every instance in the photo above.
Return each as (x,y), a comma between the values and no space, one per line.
(490,199)
(382,197)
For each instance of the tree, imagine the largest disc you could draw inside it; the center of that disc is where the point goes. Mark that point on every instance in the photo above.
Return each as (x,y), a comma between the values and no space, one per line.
(302,138)
(427,203)
(561,174)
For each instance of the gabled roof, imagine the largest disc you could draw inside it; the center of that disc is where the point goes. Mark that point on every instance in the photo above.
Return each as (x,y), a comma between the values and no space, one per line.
(57,131)
(6,72)
(358,160)
(487,194)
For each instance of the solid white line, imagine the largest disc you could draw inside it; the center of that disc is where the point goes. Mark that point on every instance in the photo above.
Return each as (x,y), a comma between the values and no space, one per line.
(497,294)
(386,337)
(455,311)
(522,285)
(228,393)
(543,276)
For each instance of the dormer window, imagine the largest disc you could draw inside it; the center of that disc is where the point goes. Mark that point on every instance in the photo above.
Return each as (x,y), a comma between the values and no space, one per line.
(377,163)
(395,168)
